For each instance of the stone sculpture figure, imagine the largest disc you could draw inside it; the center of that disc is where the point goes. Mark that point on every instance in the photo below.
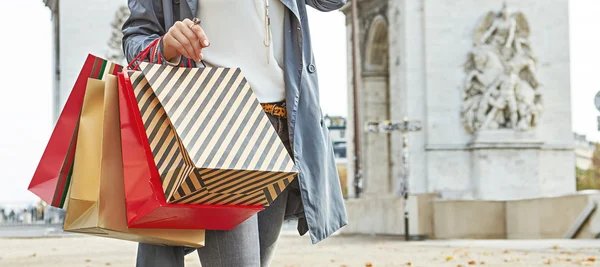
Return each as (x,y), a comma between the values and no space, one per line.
(485,68)
(506,101)
(501,90)
(499,30)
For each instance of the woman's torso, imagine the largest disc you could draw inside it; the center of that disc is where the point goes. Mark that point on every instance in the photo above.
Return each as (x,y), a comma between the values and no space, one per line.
(237,30)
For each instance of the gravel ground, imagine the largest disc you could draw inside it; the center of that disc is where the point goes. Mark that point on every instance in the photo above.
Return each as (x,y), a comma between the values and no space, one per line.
(349,251)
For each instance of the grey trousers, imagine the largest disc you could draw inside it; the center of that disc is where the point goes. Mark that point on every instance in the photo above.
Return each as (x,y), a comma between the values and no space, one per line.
(250,244)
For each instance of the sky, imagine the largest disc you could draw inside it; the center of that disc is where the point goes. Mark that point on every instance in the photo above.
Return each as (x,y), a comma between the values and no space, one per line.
(585,56)
(26,108)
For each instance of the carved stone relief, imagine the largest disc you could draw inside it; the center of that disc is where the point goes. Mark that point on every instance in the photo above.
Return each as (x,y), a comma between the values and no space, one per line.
(501,90)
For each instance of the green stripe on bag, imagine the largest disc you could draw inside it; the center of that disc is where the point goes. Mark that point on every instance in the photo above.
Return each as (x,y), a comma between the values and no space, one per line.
(102,70)
(67,184)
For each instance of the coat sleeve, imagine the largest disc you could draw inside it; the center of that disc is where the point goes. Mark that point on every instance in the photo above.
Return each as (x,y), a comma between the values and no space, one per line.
(144,26)
(326,5)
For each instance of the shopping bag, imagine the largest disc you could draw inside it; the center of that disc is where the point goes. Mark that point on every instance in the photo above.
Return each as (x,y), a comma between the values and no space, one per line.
(209,137)
(96,199)
(145,200)
(51,178)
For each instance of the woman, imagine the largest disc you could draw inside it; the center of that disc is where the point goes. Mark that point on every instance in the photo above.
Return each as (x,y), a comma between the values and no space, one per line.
(270,42)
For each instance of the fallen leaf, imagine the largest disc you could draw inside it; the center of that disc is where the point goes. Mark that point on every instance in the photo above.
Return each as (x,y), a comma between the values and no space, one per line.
(459,265)
(472,262)
(449,258)
(33,255)
(369,265)
(591,259)
(569,259)
(343,265)
(506,251)
(409,263)
(482,262)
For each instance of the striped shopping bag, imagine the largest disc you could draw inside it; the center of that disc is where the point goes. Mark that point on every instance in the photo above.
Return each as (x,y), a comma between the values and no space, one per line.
(209,137)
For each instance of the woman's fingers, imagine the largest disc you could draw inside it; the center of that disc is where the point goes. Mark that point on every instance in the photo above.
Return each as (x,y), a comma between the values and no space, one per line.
(198,31)
(174,44)
(186,47)
(194,42)
(201,35)
(186,39)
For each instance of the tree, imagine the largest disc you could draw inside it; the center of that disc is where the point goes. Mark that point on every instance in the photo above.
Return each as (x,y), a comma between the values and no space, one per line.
(596,160)
(115,43)
(590,179)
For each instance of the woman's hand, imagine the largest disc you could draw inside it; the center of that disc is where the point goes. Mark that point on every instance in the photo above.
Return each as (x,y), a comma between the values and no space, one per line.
(185,39)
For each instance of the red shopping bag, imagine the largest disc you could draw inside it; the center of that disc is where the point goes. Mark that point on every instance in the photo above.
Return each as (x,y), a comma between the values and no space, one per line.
(145,200)
(50,181)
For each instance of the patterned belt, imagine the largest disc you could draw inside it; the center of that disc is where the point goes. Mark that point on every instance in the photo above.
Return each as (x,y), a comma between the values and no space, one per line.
(276,109)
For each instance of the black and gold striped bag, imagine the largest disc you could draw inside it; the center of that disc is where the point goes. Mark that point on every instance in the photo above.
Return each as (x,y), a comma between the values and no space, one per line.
(211,141)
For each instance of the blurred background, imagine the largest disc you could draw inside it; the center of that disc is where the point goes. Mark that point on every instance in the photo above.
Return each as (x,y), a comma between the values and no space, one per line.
(484,125)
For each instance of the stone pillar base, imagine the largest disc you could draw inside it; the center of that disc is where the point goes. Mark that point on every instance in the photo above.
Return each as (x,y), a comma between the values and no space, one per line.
(384,215)
(539,218)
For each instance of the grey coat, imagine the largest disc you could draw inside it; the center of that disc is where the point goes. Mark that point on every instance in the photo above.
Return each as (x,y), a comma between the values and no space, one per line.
(318,183)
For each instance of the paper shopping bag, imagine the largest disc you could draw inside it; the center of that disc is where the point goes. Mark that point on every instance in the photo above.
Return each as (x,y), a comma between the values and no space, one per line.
(51,178)
(145,199)
(96,199)
(210,138)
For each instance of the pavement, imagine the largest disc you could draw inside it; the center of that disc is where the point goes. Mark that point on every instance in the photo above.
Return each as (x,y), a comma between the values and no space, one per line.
(339,250)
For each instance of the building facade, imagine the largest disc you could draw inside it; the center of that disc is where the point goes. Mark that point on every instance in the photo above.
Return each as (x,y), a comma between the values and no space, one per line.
(491,91)
(437,63)
(584,151)
(80,28)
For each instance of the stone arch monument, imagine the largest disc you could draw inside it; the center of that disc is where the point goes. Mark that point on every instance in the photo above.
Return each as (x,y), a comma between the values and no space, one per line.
(492,93)
(377,48)
(375,106)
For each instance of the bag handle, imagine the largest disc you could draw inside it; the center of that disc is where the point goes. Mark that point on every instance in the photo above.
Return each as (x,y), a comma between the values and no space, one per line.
(134,64)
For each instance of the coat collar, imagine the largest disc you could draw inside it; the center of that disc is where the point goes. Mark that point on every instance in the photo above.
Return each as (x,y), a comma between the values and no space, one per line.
(193,4)
(290,4)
